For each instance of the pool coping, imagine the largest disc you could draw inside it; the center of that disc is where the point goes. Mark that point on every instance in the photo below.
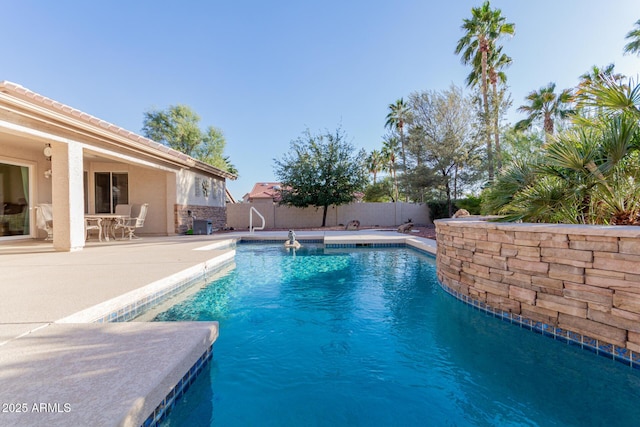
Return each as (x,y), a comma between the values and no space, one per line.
(81,367)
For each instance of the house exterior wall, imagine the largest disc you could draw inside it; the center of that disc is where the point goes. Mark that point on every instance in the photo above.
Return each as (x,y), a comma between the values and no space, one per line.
(203,195)
(184,220)
(149,186)
(583,279)
(145,186)
(369,214)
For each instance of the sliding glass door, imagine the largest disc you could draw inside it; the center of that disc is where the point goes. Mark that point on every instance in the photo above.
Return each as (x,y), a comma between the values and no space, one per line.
(14,200)
(111,189)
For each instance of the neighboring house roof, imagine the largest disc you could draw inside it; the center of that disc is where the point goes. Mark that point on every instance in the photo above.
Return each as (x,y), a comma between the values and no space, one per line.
(271,191)
(264,191)
(63,113)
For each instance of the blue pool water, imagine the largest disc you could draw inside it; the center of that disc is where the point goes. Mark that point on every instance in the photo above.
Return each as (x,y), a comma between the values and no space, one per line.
(366,337)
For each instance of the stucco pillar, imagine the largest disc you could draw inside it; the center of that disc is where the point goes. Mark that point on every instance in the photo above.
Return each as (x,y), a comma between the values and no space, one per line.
(67,196)
(170,202)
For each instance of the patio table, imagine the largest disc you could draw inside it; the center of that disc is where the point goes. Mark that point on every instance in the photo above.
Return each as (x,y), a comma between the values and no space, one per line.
(108,222)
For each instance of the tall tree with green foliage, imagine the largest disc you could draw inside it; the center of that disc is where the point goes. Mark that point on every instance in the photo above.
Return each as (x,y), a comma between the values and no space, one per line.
(481,33)
(546,105)
(321,170)
(390,147)
(496,63)
(397,117)
(178,127)
(633,45)
(380,192)
(375,164)
(521,145)
(442,127)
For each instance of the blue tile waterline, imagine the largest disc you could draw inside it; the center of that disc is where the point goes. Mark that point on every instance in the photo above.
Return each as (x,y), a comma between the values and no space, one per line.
(600,348)
(175,394)
(140,306)
(278,241)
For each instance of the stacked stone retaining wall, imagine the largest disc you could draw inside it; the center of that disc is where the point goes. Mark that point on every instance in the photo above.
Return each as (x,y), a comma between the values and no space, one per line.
(183,221)
(582,279)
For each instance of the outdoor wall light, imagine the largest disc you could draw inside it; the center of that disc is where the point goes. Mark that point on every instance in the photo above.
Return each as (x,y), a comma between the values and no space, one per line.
(47,151)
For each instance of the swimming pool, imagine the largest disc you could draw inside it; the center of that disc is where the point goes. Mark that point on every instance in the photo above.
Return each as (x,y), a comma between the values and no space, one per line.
(367,337)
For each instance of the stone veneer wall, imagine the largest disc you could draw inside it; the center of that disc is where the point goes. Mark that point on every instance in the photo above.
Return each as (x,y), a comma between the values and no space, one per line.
(583,279)
(217,215)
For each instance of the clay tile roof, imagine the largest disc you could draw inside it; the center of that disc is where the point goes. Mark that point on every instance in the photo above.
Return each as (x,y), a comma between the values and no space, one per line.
(265,190)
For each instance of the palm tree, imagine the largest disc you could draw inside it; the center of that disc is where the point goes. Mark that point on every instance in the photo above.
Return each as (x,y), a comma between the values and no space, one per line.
(389,149)
(634,40)
(396,119)
(482,31)
(592,78)
(545,104)
(496,62)
(375,163)
(614,96)
(230,167)
(597,74)
(589,174)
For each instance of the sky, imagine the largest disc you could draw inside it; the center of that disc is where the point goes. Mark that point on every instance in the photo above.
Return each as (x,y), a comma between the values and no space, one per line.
(266,71)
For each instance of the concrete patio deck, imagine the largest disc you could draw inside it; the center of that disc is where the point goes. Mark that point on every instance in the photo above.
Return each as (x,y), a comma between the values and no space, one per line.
(58,369)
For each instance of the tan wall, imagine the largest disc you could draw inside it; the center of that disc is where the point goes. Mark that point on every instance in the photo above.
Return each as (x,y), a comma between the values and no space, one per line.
(584,279)
(145,186)
(369,214)
(149,186)
(199,190)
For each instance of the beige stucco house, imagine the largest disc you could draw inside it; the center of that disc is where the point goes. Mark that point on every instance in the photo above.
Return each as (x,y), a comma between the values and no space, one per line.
(53,153)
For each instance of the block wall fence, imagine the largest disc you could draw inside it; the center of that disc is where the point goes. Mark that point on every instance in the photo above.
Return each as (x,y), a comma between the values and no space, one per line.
(580,282)
(369,214)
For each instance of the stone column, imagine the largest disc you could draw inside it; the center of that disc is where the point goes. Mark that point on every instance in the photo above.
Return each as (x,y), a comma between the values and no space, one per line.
(67,196)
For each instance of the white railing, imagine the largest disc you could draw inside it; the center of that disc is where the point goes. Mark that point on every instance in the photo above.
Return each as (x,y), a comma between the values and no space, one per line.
(251,227)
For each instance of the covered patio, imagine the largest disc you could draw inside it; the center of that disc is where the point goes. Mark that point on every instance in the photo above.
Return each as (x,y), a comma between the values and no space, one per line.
(53,153)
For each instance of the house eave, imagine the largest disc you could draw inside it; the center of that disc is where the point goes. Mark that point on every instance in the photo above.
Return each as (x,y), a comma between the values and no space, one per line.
(18,100)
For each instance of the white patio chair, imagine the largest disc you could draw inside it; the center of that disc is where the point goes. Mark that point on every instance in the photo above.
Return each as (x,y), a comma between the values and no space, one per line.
(92,224)
(132,224)
(125,211)
(44,219)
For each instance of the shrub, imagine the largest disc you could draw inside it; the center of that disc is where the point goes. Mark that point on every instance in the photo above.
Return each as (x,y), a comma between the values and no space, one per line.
(471,203)
(439,209)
